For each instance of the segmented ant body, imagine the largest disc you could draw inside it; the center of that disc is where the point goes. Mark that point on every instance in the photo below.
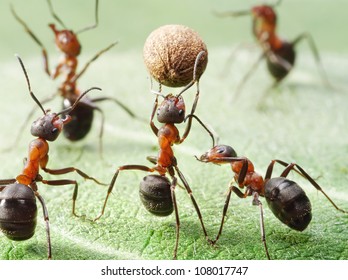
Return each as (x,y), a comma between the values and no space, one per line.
(157,192)
(67,42)
(18,209)
(285,198)
(280,54)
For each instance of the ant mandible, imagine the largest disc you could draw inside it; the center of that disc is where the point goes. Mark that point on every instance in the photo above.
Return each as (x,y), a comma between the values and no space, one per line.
(279,54)
(18,209)
(285,198)
(67,42)
(157,192)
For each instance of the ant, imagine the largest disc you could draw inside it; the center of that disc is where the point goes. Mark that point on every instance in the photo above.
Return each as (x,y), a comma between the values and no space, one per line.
(285,198)
(279,54)
(18,209)
(67,42)
(157,192)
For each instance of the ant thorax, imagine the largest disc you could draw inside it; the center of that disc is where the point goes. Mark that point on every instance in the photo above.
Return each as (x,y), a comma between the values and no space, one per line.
(171,110)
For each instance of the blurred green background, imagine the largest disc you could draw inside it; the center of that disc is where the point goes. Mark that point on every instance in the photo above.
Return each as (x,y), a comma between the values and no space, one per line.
(301,121)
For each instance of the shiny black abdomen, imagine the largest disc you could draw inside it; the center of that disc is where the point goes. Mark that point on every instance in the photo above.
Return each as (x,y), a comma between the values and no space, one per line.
(18,212)
(287,53)
(156,195)
(288,202)
(82,118)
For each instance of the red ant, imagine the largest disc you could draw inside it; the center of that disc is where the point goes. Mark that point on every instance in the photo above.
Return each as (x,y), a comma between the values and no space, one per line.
(18,209)
(157,192)
(279,54)
(285,198)
(67,42)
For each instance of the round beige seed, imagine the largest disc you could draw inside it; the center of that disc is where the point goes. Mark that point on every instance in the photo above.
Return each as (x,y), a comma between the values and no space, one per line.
(170,53)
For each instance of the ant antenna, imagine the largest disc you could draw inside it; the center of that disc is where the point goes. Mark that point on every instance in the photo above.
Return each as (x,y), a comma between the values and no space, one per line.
(69,109)
(96,20)
(158,93)
(55,15)
(29,87)
(194,79)
(211,132)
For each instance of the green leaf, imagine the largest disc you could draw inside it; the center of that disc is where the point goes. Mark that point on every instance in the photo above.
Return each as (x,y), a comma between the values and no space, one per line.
(301,121)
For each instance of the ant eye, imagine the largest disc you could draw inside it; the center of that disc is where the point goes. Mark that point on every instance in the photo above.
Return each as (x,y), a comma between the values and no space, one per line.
(54,130)
(221,150)
(181,112)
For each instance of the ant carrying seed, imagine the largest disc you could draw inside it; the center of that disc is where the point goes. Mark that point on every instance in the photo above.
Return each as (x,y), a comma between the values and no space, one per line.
(157,192)
(18,209)
(285,198)
(279,54)
(68,44)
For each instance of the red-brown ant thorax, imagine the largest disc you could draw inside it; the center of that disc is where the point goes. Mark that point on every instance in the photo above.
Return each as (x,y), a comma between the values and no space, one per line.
(66,41)
(171,110)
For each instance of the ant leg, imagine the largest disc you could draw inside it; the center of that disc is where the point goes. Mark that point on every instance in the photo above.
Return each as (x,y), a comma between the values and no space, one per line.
(154,109)
(69,170)
(5,182)
(189,191)
(283,163)
(119,103)
(152,159)
(246,77)
(113,181)
(36,39)
(257,202)
(292,166)
(316,55)
(95,57)
(63,183)
(224,211)
(193,109)
(172,190)
(45,214)
(96,20)
(231,57)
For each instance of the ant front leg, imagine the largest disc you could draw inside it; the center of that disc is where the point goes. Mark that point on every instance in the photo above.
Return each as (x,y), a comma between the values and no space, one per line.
(316,55)
(193,109)
(113,181)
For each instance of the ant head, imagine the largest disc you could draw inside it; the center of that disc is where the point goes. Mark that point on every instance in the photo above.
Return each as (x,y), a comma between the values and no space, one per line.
(217,152)
(264,13)
(66,41)
(49,126)
(171,110)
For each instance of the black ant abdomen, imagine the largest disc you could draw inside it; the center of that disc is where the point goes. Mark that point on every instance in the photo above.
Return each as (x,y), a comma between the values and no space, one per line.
(288,202)
(18,212)
(155,194)
(81,120)
(285,53)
